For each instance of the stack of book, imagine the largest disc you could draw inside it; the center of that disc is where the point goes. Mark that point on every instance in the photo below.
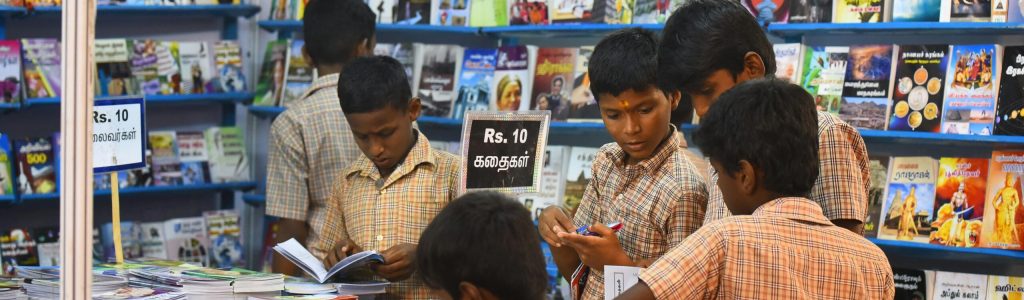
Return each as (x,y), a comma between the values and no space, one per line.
(49,288)
(10,289)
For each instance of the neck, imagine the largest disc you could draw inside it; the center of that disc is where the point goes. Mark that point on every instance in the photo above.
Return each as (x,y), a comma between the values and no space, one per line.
(324,70)
(384,173)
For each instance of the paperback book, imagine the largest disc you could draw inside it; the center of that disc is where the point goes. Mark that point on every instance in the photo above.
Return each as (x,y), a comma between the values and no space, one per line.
(145,66)
(1004,216)
(113,69)
(228,160)
(186,241)
(860,11)
(528,12)
(41,59)
(573,11)
(879,167)
(488,13)
(450,12)
(866,87)
(823,74)
(194,157)
(768,11)
(48,246)
(1005,288)
(196,71)
(554,69)
(301,257)
(168,67)
(909,200)
(618,11)
(300,75)
(17,248)
(916,10)
(910,283)
(955,286)
(1009,118)
(788,61)
(228,60)
(411,12)
(810,11)
(511,79)
(959,202)
(435,78)
(474,81)
(917,94)
(578,175)
(37,173)
(166,162)
(552,184)
(967,11)
(271,82)
(225,238)
(582,102)
(153,240)
(969,107)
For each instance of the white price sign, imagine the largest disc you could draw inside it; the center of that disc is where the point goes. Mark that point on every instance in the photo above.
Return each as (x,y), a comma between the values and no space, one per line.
(119,134)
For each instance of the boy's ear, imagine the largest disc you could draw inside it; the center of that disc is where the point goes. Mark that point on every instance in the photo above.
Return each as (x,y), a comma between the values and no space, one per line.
(366,47)
(753,65)
(673,98)
(747,178)
(468,291)
(415,107)
(305,56)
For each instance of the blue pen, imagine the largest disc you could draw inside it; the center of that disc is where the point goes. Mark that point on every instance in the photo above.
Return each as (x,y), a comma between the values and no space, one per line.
(583,230)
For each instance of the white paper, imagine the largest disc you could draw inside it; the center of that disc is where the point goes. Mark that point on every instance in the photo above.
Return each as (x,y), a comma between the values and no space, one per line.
(117,135)
(618,279)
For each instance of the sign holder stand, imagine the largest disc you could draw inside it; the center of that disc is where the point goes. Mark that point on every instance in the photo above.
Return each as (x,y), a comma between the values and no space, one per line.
(115,205)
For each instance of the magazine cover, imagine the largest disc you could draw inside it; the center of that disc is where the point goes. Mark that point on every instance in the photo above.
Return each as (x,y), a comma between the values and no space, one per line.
(1004,218)
(36,171)
(10,71)
(573,11)
(618,11)
(1009,118)
(866,87)
(787,61)
(1000,9)
(969,11)
(551,86)
(225,238)
(916,11)
(145,66)
(113,69)
(186,241)
(582,102)
(450,12)
(969,107)
(153,240)
(768,11)
(48,246)
(166,162)
(412,12)
(909,199)
(436,78)
(192,152)
(228,59)
(131,237)
(578,175)
(910,284)
(384,9)
(488,13)
(1005,288)
(810,11)
(228,160)
(956,286)
(824,71)
(168,67)
(474,81)
(528,12)
(17,248)
(859,11)
(959,202)
(511,79)
(271,83)
(196,70)
(879,167)
(916,100)
(41,58)
(552,184)
(1014,11)
(7,159)
(299,77)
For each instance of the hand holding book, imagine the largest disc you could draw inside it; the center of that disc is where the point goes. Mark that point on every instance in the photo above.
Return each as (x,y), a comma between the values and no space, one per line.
(342,250)
(399,262)
(350,262)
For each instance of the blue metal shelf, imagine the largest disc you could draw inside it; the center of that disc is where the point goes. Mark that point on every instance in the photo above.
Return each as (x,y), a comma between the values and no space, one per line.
(977,260)
(281,25)
(10,11)
(214,97)
(254,198)
(296,25)
(930,28)
(562,30)
(7,106)
(7,198)
(223,10)
(266,111)
(156,189)
(929,138)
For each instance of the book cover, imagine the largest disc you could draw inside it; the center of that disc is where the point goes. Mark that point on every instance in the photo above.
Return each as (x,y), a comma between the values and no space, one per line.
(859,11)
(384,9)
(910,284)
(909,199)
(7,158)
(810,11)
(879,167)
(36,171)
(573,11)
(917,94)
(10,71)
(228,60)
(228,160)
(511,79)
(48,246)
(196,71)
(450,12)
(412,12)
(866,88)
(1005,288)
(969,107)
(436,65)
(192,152)
(823,74)
(1003,222)
(552,182)
(959,202)
(166,162)
(645,12)
(969,11)
(168,59)
(618,11)
(1014,11)
(554,69)
(1009,118)
(145,66)
(271,82)
(1000,10)
(17,249)
(299,77)
(582,102)
(788,61)
(41,60)
(578,175)
(113,69)
(768,11)
(225,238)
(488,13)
(131,237)
(955,286)
(528,12)
(186,241)
(474,81)
(153,240)
(916,10)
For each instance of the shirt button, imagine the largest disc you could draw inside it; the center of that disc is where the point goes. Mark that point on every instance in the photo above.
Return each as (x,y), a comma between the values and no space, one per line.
(383,191)
(380,237)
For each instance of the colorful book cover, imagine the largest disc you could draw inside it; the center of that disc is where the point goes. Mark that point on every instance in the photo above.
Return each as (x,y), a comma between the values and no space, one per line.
(969,11)
(153,240)
(1005,288)
(41,59)
(1003,223)
(168,59)
(554,69)
(488,13)
(36,171)
(166,162)
(573,11)
(1000,10)
(859,11)
(449,12)
(1009,118)
(474,81)
(582,102)
(956,286)
(645,12)
(384,9)
(228,60)
(969,107)
(528,12)
(436,65)
(228,161)
(552,182)
(511,79)
(787,61)
(145,66)
(810,11)
(578,175)
(271,83)
(196,71)
(618,11)
(959,202)
(412,12)
(10,71)
(299,77)
(6,166)
(916,10)
(48,246)
(910,284)
(17,249)
(225,238)
(186,241)
(113,69)
(917,96)
(909,199)
(768,11)
(192,152)
(866,88)
(131,237)
(823,74)
(879,167)
(1015,11)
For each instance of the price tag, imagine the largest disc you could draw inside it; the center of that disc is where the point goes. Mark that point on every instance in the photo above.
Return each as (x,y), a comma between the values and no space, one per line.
(118,134)
(503,151)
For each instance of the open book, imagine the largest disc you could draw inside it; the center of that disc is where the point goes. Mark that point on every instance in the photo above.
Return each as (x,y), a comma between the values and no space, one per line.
(301,257)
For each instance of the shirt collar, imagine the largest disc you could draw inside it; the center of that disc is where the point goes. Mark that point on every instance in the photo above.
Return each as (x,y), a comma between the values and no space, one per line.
(793,208)
(421,153)
(664,151)
(323,82)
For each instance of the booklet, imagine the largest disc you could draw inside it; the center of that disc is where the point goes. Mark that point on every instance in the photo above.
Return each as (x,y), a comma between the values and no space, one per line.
(363,288)
(301,257)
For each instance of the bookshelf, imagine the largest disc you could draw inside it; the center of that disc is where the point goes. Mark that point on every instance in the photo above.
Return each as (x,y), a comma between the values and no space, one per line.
(217,98)
(968,260)
(128,191)
(919,28)
(216,10)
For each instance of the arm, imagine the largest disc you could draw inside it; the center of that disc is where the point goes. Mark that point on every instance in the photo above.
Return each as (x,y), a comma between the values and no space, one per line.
(287,229)
(689,271)
(841,188)
(287,192)
(335,244)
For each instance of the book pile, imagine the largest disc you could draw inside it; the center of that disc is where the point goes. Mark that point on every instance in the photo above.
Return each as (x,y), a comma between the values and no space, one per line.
(49,288)
(10,289)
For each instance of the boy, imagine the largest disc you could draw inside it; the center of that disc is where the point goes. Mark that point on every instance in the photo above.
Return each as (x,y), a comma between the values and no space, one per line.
(385,199)
(311,143)
(708,47)
(778,245)
(483,246)
(643,180)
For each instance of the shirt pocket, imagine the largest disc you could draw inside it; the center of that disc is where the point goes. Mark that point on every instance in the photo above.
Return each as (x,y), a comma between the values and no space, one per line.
(418,210)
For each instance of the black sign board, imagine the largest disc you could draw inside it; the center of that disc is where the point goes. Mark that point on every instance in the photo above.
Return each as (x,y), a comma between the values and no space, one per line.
(503,150)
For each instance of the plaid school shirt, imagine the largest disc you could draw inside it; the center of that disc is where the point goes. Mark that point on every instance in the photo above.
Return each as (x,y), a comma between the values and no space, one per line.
(378,213)
(310,144)
(660,201)
(843,176)
(787,249)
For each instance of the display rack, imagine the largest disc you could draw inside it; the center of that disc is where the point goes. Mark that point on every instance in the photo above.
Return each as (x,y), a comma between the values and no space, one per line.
(215,10)
(890,28)
(222,98)
(211,187)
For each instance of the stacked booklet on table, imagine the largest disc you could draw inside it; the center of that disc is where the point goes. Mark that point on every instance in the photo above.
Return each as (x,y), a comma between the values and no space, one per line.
(50,288)
(220,284)
(10,289)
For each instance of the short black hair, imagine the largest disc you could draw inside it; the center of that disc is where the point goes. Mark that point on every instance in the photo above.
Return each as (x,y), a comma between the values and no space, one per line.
(770,123)
(334,29)
(704,36)
(487,239)
(372,83)
(624,60)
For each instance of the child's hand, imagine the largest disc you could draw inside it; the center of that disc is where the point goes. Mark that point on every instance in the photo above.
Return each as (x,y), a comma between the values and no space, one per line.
(399,262)
(551,222)
(598,251)
(341,250)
